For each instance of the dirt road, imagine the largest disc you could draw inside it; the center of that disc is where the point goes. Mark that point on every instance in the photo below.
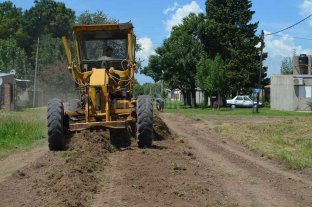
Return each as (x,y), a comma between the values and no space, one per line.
(189,167)
(244,175)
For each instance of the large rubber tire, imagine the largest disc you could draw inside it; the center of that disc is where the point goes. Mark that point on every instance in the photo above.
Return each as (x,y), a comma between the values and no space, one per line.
(144,125)
(56,125)
(120,138)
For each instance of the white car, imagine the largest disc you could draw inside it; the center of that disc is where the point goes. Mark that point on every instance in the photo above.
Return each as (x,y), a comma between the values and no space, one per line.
(241,101)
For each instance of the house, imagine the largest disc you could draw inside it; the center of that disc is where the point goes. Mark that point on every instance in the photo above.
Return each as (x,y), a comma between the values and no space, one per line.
(7,91)
(293,92)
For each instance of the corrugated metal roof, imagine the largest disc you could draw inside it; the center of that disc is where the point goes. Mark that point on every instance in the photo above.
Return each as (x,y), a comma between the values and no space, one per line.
(5,74)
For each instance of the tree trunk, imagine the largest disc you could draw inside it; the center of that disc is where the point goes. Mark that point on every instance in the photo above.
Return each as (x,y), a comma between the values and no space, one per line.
(206,99)
(193,97)
(219,100)
(188,98)
(184,98)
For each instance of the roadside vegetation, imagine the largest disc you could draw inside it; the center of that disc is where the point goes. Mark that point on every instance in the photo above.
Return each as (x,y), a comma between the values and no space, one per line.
(217,54)
(282,135)
(21,130)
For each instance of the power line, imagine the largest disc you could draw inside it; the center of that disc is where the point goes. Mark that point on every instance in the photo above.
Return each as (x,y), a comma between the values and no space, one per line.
(289,26)
(300,38)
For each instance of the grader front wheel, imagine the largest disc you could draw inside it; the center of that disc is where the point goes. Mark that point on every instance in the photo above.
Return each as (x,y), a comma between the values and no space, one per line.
(56,131)
(144,123)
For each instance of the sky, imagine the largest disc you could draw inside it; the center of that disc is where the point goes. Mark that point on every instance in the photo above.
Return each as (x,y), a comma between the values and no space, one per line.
(153,20)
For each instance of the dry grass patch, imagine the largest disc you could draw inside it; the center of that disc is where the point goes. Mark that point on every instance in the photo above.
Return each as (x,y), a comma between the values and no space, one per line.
(289,140)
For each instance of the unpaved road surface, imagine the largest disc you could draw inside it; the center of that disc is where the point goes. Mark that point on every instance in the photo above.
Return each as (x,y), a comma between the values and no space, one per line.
(14,162)
(190,166)
(244,175)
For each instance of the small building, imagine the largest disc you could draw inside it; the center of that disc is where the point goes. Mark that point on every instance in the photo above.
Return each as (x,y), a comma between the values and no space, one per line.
(7,91)
(175,95)
(293,92)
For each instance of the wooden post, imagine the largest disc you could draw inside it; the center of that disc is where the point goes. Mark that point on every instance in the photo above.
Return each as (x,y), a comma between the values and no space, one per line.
(35,78)
(260,69)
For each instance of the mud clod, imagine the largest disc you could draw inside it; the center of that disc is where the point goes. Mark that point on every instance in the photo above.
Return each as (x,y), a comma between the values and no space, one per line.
(161,130)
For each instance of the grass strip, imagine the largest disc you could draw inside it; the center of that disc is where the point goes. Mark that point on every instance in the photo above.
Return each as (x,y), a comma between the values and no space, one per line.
(21,129)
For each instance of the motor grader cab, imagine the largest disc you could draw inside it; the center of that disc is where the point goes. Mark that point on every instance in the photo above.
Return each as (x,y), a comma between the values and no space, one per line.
(103,70)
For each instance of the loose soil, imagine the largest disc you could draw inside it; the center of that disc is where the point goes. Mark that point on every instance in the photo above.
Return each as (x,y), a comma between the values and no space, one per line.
(12,163)
(68,178)
(188,165)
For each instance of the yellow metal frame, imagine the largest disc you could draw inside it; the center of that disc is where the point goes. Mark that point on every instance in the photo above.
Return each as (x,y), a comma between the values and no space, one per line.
(96,79)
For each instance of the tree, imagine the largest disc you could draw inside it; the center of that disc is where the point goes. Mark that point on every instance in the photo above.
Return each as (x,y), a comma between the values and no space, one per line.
(286,66)
(12,57)
(94,18)
(11,21)
(211,76)
(46,17)
(175,61)
(49,17)
(234,39)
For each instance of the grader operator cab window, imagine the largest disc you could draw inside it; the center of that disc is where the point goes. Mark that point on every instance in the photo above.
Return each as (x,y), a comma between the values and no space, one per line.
(102,45)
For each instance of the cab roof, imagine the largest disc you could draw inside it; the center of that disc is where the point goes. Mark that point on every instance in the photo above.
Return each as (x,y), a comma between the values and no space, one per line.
(96,27)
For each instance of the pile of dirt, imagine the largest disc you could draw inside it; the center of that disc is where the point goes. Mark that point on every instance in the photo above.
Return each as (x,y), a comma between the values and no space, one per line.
(74,183)
(68,178)
(161,130)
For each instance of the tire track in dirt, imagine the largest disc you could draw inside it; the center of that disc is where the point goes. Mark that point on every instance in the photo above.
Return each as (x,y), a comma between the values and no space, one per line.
(244,175)
(168,174)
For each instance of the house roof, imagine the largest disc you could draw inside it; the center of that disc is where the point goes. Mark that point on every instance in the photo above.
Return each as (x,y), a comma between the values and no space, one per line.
(4,74)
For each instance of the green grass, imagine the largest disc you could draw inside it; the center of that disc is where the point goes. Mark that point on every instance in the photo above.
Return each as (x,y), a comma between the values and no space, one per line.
(22,129)
(177,107)
(289,141)
(282,135)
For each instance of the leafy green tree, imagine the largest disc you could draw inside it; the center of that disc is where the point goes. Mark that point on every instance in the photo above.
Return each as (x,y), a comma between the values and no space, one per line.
(235,40)
(211,76)
(11,21)
(49,17)
(94,18)
(175,61)
(47,44)
(46,17)
(286,66)
(12,57)
(138,89)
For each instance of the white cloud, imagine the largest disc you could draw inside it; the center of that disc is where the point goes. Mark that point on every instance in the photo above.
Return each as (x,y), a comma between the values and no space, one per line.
(147,48)
(171,9)
(278,48)
(180,13)
(306,9)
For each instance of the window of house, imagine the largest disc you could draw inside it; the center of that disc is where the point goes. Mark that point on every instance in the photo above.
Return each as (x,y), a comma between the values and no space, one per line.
(305,92)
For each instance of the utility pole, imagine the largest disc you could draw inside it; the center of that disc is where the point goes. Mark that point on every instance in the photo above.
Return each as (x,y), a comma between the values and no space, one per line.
(35,78)
(162,84)
(260,69)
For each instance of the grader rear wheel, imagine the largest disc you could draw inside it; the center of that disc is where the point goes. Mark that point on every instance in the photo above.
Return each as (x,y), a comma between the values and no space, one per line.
(56,131)
(144,123)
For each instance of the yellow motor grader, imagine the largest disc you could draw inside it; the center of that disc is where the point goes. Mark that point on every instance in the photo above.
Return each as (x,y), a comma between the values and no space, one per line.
(103,70)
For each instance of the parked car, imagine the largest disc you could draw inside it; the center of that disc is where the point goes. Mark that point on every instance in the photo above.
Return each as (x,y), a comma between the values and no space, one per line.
(241,101)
